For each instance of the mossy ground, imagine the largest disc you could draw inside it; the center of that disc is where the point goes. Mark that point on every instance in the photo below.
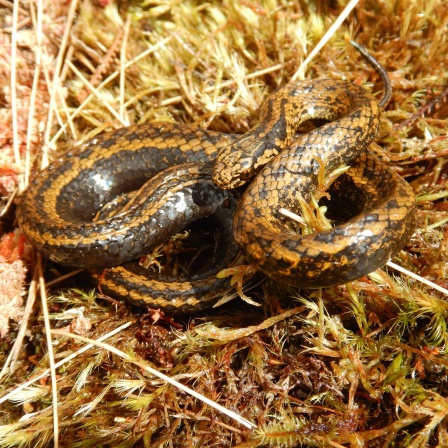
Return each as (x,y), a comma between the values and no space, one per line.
(360,365)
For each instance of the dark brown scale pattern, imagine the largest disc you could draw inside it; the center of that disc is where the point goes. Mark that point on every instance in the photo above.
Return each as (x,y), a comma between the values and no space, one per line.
(386,218)
(57,211)
(192,293)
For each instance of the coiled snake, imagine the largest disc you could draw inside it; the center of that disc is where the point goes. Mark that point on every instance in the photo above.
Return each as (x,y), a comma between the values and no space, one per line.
(57,210)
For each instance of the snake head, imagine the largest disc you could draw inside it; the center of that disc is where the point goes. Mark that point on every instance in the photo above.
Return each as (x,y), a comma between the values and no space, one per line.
(231,170)
(237,164)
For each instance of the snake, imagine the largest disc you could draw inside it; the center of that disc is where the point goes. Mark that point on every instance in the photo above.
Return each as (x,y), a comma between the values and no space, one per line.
(166,175)
(108,201)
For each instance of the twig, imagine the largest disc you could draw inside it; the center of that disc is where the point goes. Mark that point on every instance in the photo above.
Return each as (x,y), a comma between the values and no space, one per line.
(12,5)
(37,23)
(64,277)
(104,64)
(422,111)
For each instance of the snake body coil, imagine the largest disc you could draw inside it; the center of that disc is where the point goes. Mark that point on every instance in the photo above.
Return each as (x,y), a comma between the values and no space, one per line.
(384,201)
(56,212)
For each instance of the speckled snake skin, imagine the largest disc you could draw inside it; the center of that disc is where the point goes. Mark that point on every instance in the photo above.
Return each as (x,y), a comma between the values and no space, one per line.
(57,210)
(384,201)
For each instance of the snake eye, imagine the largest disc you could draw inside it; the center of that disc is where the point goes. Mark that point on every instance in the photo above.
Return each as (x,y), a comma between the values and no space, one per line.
(246,174)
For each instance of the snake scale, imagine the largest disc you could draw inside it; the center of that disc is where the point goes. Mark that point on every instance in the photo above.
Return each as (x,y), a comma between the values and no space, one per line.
(167,175)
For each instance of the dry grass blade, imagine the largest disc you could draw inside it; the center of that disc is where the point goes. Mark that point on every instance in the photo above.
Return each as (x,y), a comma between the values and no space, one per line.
(160,375)
(14,88)
(12,394)
(55,85)
(54,388)
(418,277)
(300,73)
(9,365)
